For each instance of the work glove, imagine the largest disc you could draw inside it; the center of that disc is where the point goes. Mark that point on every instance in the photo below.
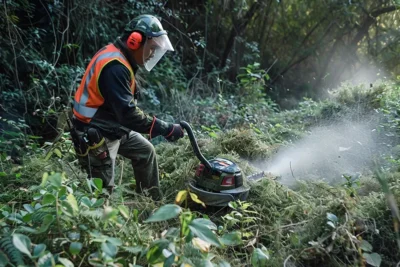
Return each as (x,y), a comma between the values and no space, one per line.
(175,132)
(171,132)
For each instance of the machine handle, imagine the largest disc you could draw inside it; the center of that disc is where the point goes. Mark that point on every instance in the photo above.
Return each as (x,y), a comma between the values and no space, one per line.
(193,142)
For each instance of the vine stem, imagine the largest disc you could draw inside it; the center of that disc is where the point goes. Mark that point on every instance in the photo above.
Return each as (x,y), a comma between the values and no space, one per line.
(57,216)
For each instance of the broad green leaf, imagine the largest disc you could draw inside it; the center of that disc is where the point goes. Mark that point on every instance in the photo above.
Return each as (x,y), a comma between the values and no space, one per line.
(110,249)
(55,179)
(373,259)
(66,262)
(204,233)
(124,211)
(72,201)
(47,221)
(62,192)
(206,222)
(365,246)
(2,174)
(231,239)
(48,199)
(22,243)
(169,261)
(27,218)
(38,250)
(75,248)
(181,196)
(259,258)
(164,213)
(86,201)
(98,203)
(67,208)
(98,184)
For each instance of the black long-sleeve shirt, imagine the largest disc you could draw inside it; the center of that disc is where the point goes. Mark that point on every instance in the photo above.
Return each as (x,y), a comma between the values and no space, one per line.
(119,107)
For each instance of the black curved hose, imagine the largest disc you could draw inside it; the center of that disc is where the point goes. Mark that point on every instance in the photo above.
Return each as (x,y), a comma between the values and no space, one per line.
(193,141)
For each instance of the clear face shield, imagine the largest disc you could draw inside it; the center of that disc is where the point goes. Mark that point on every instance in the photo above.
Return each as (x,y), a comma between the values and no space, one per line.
(154,49)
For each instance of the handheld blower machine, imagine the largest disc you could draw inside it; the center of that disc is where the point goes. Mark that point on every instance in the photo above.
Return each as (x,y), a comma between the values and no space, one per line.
(217,181)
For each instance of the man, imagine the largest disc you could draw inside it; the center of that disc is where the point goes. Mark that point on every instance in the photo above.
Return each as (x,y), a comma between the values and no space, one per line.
(107,121)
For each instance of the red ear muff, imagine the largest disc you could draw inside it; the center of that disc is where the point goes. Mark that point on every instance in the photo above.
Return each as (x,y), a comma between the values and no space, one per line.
(134,40)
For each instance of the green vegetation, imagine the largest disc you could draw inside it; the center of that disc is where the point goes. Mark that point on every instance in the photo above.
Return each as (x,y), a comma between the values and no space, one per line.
(232,77)
(51,213)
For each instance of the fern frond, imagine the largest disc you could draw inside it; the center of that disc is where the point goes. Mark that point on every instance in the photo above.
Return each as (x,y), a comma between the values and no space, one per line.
(8,248)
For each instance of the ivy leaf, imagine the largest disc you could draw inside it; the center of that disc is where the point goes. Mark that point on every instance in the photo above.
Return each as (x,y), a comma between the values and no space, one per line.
(373,259)
(366,246)
(164,213)
(22,243)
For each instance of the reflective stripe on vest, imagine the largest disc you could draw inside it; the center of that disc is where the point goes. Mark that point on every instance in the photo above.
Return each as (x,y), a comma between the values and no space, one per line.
(81,109)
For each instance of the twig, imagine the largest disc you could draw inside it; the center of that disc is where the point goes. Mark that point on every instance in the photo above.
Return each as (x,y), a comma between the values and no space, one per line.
(294,224)
(284,263)
(83,259)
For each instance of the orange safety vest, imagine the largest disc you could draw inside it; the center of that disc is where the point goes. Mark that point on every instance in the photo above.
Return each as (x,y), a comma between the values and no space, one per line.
(88,97)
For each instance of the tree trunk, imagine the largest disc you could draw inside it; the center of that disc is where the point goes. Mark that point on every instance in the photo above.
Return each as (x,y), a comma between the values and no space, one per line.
(237,30)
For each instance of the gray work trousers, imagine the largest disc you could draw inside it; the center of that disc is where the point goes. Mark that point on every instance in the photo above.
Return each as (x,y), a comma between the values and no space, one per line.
(143,158)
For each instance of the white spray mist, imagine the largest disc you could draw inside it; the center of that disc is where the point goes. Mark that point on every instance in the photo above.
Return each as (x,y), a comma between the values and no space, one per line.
(327,153)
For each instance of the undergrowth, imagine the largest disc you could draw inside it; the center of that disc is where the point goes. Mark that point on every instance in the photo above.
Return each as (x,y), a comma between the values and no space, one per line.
(51,214)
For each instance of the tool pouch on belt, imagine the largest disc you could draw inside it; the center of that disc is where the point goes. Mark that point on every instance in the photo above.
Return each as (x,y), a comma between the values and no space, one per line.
(97,145)
(93,154)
